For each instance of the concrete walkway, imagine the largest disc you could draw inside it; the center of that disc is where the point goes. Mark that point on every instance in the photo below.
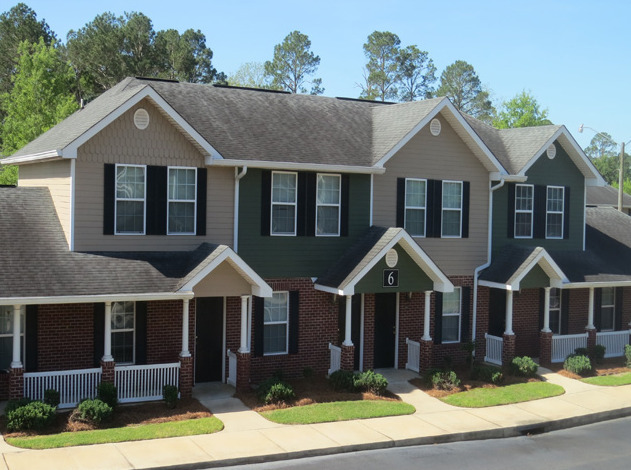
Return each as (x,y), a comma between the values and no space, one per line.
(249,438)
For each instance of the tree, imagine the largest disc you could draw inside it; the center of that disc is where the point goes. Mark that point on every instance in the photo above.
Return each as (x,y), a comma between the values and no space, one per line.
(382,70)
(461,84)
(601,145)
(416,74)
(521,111)
(292,63)
(252,75)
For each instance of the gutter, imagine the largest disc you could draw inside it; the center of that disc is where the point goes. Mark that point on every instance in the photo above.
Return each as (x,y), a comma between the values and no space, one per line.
(79,299)
(237,178)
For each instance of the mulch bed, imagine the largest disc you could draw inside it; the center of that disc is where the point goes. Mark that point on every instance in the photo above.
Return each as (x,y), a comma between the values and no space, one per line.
(611,366)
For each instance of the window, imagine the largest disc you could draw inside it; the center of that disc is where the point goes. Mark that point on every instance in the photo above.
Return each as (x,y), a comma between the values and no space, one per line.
(276,324)
(554,211)
(130,199)
(555,310)
(284,194)
(415,206)
(452,209)
(608,309)
(182,201)
(6,337)
(328,203)
(452,309)
(123,328)
(523,210)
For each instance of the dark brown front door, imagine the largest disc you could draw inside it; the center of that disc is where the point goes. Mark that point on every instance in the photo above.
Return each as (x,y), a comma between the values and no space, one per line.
(209,339)
(385,329)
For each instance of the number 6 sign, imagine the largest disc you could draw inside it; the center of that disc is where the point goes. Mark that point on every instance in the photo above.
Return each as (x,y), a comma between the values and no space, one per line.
(390,278)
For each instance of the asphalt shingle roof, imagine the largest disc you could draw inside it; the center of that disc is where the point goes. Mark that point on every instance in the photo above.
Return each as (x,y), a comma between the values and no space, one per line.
(606,196)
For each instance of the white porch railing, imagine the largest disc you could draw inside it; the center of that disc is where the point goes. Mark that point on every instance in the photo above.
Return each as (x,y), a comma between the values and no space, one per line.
(336,358)
(414,355)
(613,341)
(144,383)
(564,345)
(493,349)
(72,385)
(232,369)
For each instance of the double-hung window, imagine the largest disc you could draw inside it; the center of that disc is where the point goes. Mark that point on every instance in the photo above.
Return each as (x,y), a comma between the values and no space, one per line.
(328,203)
(123,325)
(523,210)
(554,211)
(415,206)
(284,196)
(131,192)
(6,337)
(452,209)
(276,324)
(452,313)
(182,201)
(555,310)
(608,309)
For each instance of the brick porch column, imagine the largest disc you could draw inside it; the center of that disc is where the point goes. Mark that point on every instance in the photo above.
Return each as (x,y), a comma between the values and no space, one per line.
(186,376)
(591,337)
(348,357)
(16,382)
(508,349)
(243,370)
(545,351)
(107,368)
(426,358)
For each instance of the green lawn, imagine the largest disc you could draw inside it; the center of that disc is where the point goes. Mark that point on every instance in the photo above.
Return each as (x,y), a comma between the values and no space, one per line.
(338,411)
(482,397)
(609,380)
(132,433)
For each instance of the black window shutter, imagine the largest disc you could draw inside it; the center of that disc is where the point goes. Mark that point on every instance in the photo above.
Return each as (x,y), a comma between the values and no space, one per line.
(141,333)
(259,323)
(202,200)
(565,311)
(344,211)
(429,208)
(400,202)
(301,205)
(310,203)
(619,305)
(510,222)
(438,318)
(294,323)
(30,338)
(539,216)
(542,307)
(598,307)
(157,187)
(434,208)
(466,189)
(566,213)
(109,198)
(465,313)
(99,333)
(266,201)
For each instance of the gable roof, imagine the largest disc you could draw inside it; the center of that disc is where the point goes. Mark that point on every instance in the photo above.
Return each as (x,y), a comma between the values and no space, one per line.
(606,196)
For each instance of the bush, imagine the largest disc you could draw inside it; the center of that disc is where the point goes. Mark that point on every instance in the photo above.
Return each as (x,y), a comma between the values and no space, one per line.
(488,374)
(581,352)
(34,415)
(444,379)
(597,353)
(627,354)
(369,381)
(580,365)
(274,390)
(169,395)
(51,397)
(523,367)
(92,411)
(106,392)
(15,404)
(342,380)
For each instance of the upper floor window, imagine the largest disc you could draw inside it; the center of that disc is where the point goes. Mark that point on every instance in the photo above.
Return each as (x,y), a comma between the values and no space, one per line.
(182,201)
(276,324)
(328,204)
(415,206)
(131,192)
(523,210)
(608,309)
(555,310)
(452,209)
(555,203)
(123,325)
(452,312)
(6,337)
(284,197)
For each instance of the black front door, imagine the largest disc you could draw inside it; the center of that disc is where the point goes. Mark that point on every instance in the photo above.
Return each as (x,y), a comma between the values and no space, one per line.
(497,312)
(385,329)
(209,339)
(355,325)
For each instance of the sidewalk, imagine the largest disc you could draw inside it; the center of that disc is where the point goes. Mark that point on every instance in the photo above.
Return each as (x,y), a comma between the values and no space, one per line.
(249,438)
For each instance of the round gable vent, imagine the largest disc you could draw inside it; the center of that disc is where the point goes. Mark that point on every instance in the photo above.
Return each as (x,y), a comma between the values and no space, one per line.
(551,151)
(141,118)
(392,258)
(435,127)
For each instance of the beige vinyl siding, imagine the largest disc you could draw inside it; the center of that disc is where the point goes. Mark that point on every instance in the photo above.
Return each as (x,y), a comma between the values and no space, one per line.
(160,144)
(56,177)
(444,157)
(224,280)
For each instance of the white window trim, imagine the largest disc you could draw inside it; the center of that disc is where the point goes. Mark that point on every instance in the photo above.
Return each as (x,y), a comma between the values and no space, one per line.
(116,199)
(423,208)
(459,315)
(338,205)
(286,323)
(169,200)
(295,204)
(523,211)
(556,212)
(127,330)
(558,310)
(613,310)
(443,209)
(22,336)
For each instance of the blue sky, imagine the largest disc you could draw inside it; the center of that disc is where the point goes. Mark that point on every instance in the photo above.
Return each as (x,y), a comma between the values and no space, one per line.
(573,56)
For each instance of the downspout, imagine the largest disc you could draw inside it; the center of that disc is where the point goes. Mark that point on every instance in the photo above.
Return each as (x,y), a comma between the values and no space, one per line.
(237,178)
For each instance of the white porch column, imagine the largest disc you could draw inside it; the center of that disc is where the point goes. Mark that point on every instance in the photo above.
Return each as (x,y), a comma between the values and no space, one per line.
(509,313)
(107,338)
(426,320)
(185,352)
(590,310)
(16,363)
(349,317)
(546,311)
(243,348)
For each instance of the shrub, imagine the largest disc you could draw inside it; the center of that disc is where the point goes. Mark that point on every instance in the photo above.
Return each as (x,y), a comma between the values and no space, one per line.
(15,404)
(34,415)
(169,394)
(580,365)
(497,378)
(444,379)
(369,381)
(627,354)
(597,353)
(92,411)
(523,367)
(488,374)
(342,380)
(106,392)
(51,397)
(580,352)
(274,390)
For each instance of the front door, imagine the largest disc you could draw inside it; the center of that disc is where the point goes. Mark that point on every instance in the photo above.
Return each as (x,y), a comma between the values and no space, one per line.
(385,329)
(497,312)
(209,339)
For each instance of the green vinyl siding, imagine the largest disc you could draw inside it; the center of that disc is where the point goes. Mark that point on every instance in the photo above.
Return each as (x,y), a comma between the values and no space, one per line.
(535,278)
(296,256)
(411,277)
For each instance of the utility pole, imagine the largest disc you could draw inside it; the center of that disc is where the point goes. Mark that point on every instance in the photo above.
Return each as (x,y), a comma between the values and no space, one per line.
(621,179)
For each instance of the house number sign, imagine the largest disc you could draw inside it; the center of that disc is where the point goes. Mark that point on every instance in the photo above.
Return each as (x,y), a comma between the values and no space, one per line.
(390,278)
